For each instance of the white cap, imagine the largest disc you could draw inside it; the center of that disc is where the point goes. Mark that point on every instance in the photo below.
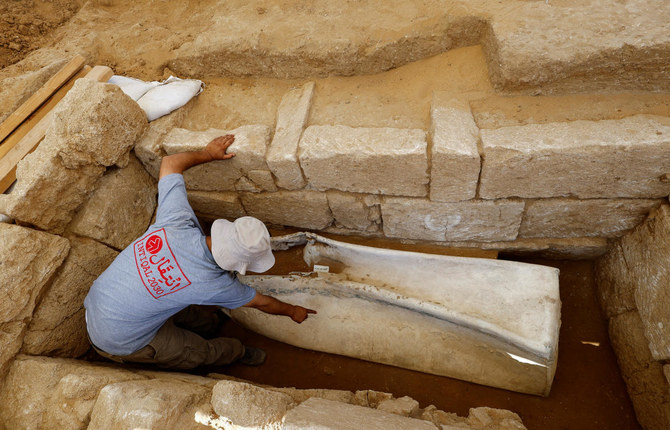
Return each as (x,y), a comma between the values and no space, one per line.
(242,245)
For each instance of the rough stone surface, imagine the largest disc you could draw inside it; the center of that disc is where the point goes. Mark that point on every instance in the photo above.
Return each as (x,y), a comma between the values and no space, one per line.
(304,209)
(443,419)
(615,282)
(627,46)
(321,413)
(107,130)
(356,212)
(455,161)
(365,160)
(647,250)
(477,220)
(155,403)
(249,406)
(586,159)
(149,148)
(94,126)
(300,396)
(405,406)
(490,418)
(583,218)
(646,383)
(58,327)
(250,147)
(212,205)
(371,398)
(28,259)
(47,193)
(42,392)
(120,208)
(283,151)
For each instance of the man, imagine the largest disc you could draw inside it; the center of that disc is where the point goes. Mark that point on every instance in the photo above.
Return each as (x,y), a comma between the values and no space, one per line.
(139,309)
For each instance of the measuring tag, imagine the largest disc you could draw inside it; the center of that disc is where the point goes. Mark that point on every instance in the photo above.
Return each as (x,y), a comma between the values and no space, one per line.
(322,269)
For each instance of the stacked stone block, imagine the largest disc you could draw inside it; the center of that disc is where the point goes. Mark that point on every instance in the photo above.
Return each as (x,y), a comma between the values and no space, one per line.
(634,287)
(562,187)
(42,392)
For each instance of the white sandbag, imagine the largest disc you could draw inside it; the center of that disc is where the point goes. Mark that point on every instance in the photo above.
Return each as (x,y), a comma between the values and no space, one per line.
(134,88)
(172,94)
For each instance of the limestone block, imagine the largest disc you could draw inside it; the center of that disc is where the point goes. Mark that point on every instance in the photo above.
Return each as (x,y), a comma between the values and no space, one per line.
(28,259)
(47,193)
(443,419)
(644,378)
(213,205)
(614,281)
(490,418)
(41,392)
(583,218)
(249,406)
(304,209)
(96,123)
(455,162)
(586,159)
(355,211)
(626,48)
(256,181)
(646,250)
(405,406)
(371,398)
(120,208)
(149,148)
(300,396)
(250,147)
(283,151)
(156,403)
(476,220)
(58,327)
(326,414)
(366,160)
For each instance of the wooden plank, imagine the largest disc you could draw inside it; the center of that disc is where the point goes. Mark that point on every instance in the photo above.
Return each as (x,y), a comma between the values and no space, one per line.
(40,113)
(29,142)
(36,100)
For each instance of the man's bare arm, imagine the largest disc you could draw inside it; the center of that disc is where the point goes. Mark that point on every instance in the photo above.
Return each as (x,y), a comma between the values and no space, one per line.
(215,150)
(270,305)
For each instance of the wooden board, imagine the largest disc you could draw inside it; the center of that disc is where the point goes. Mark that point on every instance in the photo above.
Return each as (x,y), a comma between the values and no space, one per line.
(36,100)
(37,126)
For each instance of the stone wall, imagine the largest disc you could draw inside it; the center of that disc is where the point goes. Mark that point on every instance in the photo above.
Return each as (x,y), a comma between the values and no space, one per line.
(633,280)
(80,198)
(514,187)
(41,392)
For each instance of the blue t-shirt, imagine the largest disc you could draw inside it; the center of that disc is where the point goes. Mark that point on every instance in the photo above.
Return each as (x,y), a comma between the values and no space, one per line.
(168,268)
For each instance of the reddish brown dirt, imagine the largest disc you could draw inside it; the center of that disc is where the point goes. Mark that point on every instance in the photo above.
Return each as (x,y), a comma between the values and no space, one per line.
(588,391)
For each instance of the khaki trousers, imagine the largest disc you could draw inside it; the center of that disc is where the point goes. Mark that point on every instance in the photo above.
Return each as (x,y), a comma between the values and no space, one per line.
(178,346)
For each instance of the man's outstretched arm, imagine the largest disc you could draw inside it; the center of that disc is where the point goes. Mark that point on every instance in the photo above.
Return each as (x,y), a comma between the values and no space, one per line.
(215,150)
(270,305)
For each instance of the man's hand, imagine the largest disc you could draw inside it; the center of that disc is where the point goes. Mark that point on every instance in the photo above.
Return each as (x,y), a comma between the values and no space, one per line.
(270,305)
(300,314)
(217,147)
(215,150)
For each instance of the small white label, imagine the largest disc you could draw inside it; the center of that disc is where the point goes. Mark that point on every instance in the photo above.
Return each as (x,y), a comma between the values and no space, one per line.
(320,268)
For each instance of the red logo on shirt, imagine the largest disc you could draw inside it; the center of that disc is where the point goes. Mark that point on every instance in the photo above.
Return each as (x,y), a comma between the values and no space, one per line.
(154,244)
(159,270)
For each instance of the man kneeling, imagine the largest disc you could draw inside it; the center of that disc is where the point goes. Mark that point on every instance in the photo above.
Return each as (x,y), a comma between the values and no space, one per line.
(140,309)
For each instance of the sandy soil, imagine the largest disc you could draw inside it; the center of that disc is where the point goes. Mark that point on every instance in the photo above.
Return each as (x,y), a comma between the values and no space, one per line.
(27,25)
